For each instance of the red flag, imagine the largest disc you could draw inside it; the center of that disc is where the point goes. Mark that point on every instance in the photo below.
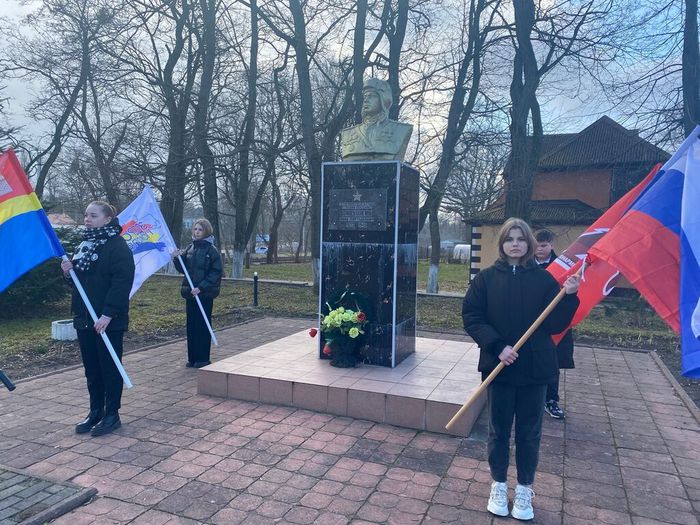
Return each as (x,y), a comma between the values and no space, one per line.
(599,276)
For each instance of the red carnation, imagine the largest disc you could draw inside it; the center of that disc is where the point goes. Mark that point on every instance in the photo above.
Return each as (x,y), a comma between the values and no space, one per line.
(327,350)
(313,332)
(361,317)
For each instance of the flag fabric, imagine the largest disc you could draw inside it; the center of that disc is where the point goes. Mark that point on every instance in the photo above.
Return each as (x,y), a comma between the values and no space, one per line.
(26,236)
(656,246)
(147,235)
(600,278)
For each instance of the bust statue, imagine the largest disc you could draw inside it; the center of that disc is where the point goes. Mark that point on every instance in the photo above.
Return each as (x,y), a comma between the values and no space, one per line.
(377,137)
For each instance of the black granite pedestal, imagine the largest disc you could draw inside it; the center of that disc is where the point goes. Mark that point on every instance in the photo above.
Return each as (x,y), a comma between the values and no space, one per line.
(369,233)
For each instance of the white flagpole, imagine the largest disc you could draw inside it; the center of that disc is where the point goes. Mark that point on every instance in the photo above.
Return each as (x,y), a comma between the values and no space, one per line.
(196,298)
(106,340)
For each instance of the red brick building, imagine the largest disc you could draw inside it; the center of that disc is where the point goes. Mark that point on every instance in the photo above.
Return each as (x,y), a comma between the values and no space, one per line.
(579,175)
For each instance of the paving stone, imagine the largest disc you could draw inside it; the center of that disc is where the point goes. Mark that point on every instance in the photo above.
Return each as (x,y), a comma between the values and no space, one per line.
(185,458)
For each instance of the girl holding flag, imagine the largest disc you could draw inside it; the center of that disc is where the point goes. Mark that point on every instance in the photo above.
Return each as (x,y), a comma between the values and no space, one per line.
(203,263)
(502,302)
(104,265)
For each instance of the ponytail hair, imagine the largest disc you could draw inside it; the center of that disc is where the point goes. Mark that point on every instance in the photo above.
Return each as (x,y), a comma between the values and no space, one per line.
(106,207)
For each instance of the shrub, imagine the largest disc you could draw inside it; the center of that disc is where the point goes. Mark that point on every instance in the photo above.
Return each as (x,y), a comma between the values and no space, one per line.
(41,285)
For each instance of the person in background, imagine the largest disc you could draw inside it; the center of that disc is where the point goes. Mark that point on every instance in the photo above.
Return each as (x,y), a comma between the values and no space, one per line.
(544,256)
(203,263)
(501,304)
(104,265)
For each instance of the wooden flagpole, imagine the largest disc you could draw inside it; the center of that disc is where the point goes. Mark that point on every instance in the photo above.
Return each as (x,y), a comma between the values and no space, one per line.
(517,347)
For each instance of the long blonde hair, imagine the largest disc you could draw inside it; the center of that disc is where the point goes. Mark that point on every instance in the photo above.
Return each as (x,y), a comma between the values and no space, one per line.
(524,227)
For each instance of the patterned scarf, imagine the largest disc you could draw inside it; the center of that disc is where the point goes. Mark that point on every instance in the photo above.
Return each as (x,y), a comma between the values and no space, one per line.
(93,238)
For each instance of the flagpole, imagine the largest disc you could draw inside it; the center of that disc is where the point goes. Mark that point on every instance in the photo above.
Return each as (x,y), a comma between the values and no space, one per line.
(106,340)
(199,303)
(466,406)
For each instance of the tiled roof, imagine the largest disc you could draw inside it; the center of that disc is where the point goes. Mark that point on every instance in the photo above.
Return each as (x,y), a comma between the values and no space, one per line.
(61,219)
(605,143)
(545,213)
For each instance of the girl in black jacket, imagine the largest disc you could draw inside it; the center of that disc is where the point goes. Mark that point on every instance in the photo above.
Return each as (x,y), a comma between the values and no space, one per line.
(500,305)
(204,266)
(104,265)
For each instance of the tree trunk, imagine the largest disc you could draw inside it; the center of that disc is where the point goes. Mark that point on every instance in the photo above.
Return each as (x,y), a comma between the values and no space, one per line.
(177,102)
(242,226)
(313,155)
(433,285)
(172,203)
(395,47)
(691,68)
(57,137)
(461,107)
(237,263)
(523,88)
(358,58)
(301,229)
(201,119)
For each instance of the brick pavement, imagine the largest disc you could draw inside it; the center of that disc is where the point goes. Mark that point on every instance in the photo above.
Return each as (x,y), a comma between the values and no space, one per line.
(28,499)
(629,451)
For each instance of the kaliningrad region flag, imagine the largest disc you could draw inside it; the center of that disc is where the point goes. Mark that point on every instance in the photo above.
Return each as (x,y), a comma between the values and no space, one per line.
(26,237)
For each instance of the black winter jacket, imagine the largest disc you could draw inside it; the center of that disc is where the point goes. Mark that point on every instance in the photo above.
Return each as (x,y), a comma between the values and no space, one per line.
(204,266)
(107,284)
(565,348)
(501,304)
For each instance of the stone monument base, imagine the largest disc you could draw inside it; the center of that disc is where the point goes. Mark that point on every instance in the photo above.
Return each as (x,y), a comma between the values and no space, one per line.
(423,392)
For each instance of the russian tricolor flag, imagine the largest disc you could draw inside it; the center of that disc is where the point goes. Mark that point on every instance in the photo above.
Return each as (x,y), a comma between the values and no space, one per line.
(26,237)
(656,246)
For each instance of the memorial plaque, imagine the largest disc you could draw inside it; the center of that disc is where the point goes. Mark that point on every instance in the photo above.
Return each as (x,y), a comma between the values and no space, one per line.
(357,209)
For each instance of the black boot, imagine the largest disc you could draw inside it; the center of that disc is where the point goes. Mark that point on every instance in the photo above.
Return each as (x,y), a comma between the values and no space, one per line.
(94,417)
(108,424)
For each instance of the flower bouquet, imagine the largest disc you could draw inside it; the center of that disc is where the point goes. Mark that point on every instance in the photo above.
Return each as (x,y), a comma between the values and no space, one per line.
(342,331)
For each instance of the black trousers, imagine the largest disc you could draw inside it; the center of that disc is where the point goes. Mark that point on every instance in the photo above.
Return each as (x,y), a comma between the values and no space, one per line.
(553,390)
(525,404)
(198,337)
(104,382)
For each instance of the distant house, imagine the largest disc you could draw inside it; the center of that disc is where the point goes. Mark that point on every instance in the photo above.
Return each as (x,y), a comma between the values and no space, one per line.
(61,220)
(578,176)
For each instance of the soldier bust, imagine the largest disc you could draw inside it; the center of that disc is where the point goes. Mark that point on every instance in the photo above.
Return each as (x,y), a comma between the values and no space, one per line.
(377,137)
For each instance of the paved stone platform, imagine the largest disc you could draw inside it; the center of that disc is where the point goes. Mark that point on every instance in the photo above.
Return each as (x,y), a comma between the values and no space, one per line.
(423,392)
(628,452)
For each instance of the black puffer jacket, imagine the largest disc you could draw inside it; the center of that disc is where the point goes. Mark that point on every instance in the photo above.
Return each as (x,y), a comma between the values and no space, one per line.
(107,284)
(501,304)
(565,348)
(204,266)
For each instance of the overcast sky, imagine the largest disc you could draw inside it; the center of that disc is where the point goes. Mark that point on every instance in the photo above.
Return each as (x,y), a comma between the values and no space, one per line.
(560,115)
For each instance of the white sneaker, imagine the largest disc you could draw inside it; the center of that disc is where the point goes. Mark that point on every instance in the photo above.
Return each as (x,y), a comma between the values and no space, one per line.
(498,500)
(522,504)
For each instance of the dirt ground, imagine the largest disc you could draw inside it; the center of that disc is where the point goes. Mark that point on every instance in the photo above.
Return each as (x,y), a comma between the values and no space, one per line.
(66,353)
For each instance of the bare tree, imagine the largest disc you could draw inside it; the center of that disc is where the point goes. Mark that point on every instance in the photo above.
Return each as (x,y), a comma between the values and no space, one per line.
(691,68)
(155,48)
(208,49)
(295,34)
(559,34)
(65,33)
(478,28)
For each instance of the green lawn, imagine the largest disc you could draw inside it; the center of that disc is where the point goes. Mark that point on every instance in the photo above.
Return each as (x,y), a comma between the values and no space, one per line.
(452,277)
(157,312)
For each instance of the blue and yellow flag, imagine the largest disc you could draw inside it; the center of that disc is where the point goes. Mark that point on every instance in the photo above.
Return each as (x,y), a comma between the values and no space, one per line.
(26,237)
